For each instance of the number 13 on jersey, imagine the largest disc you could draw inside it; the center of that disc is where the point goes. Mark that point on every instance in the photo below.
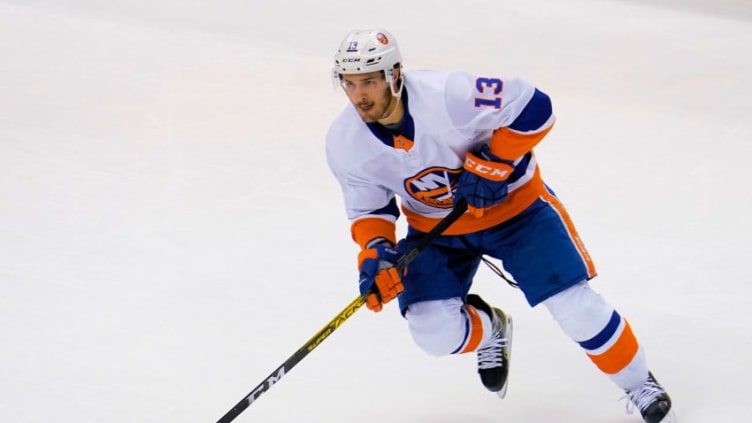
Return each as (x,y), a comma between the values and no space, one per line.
(489,89)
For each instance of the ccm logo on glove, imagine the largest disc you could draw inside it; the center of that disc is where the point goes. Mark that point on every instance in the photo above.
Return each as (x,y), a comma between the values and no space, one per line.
(483,182)
(493,171)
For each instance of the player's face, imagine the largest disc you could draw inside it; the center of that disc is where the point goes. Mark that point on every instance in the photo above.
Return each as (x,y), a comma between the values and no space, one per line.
(369,93)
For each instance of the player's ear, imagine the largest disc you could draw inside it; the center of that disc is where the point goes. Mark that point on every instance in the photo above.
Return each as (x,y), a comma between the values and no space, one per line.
(396,77)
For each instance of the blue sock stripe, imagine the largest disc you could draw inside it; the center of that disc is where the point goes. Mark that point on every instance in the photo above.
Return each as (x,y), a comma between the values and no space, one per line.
(467,331)
(603,336)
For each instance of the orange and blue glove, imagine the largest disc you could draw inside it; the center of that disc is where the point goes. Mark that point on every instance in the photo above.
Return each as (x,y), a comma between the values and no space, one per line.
(379,280)
(483,183)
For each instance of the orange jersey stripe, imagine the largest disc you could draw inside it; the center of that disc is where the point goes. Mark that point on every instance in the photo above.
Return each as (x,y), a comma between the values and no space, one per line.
(620,354)
(517,201)
(510,145)
(476,330)
(369,228)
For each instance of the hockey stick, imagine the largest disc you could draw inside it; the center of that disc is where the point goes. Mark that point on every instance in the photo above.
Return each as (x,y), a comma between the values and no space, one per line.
(338,320)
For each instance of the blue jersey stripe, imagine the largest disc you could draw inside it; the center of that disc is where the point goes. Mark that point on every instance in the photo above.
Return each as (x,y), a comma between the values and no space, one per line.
(390,209)
(535,114)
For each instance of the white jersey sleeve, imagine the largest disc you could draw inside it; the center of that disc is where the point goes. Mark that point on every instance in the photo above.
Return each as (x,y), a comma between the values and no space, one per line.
(483,104)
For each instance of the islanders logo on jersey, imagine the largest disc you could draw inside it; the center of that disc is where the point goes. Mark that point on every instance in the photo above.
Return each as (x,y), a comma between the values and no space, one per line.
(433,186)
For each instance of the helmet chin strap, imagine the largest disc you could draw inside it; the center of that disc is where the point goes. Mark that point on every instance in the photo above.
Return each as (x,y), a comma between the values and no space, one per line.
(389,74)
(394,110)
(396,93)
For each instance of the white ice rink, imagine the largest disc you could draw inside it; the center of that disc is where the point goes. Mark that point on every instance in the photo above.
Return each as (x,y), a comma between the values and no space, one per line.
(170,232)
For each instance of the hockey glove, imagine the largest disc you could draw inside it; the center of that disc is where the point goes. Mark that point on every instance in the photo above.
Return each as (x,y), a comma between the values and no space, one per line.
(380,281)
(483,183)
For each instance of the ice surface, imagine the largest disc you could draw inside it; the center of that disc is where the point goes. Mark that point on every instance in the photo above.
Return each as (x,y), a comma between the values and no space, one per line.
(170,232)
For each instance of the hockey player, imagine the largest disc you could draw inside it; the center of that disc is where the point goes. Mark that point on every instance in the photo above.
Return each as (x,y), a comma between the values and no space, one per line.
(430,138)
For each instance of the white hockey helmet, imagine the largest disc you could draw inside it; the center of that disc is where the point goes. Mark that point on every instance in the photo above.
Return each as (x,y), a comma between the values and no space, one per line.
(371,50)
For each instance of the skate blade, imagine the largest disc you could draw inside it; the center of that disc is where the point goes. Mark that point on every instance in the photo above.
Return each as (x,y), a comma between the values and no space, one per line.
(670,417)
(510,329)
(503,392)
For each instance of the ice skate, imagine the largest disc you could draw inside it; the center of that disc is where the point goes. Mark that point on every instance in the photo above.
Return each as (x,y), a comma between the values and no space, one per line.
(494,356)
(652,401)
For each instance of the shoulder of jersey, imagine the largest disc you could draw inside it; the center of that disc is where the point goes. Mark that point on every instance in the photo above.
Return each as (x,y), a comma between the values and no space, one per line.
(451,85)
(345,128)
(347,122)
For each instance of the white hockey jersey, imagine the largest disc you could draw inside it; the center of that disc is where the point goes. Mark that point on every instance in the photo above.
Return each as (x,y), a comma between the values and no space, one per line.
(452,113)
